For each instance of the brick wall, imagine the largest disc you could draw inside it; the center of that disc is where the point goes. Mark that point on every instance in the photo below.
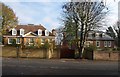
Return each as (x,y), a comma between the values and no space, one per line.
(30,53)
(106,55)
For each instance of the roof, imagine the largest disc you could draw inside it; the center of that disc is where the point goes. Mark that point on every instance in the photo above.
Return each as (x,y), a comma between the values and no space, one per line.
(103,38)
(28,28)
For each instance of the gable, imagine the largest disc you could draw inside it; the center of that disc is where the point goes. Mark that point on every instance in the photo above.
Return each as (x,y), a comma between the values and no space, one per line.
(30,34)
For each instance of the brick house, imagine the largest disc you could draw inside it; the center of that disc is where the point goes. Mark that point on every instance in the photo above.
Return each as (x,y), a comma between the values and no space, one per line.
(28,34)
(100,39)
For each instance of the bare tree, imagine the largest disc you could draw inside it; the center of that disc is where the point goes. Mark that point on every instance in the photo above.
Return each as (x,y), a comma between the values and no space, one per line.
(80,18)
(117,31)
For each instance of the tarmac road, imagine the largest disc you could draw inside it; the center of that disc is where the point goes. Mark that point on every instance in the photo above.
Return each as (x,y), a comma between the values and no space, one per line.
(22,66)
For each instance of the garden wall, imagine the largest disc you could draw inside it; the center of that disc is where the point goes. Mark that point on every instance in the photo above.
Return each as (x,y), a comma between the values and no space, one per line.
(106,55)
(9,51)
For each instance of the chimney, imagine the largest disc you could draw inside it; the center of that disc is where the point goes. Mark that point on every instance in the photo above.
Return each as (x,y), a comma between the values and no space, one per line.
(53,32)
(30,24)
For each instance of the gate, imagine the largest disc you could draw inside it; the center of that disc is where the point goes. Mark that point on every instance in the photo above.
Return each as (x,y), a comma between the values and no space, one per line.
(67,53)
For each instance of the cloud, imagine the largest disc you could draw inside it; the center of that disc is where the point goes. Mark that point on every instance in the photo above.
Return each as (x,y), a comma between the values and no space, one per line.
(50,21)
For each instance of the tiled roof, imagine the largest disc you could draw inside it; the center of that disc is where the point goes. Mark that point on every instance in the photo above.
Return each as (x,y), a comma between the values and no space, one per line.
(30,28)
(105,37)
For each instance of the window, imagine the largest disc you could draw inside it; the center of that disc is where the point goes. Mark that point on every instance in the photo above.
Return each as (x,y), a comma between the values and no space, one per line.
(109,43)
(105,43)
(27,41)
(42,41)
(14,32)
(21,31)
(10,40)
(98,43)
(46,33)
(31,40)
(39,32)
(18,41)
(97,34)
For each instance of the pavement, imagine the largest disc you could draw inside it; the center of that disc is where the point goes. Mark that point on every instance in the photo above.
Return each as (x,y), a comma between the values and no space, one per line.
(24,66)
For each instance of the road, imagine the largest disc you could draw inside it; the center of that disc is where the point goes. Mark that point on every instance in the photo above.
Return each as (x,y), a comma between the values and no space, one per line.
(22,66)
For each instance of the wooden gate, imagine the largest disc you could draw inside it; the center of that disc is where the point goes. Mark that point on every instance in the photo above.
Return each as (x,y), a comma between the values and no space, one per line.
(67,53)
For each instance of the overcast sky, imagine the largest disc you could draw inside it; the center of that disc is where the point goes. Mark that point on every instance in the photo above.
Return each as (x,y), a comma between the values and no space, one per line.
(48,12)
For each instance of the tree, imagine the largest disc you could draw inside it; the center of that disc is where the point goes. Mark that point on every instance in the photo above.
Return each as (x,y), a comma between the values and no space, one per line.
(9,19)
(110,31)
(80,18)
(117,31)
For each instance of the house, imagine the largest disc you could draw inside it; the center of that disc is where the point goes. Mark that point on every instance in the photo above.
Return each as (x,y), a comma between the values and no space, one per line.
(28,34)
(99,39)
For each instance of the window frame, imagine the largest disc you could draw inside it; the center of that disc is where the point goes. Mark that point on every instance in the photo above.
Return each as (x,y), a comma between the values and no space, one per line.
(97,42)
(21,31)
(17,41)
(105,44)
(109,43)
(32,40)
(14,31)
(9,40)
(40,32)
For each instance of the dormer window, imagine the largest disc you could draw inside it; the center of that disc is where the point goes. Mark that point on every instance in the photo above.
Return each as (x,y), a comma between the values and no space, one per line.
(39,32)
(14,31)
(97,34)
(21,31)
(46,33)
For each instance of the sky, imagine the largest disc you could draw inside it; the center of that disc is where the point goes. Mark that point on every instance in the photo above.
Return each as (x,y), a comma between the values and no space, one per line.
(48,12)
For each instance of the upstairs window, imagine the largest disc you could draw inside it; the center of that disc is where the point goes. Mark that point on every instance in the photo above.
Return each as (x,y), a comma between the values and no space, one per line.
(14,32)
(46,33)
(40,32)
(21,31)
(97,35)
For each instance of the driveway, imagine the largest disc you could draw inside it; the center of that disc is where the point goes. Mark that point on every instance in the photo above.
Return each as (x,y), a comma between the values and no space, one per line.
(24,66)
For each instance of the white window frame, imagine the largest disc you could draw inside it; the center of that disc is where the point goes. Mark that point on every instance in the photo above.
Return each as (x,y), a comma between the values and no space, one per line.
(97,34)
(14,30)
(21,31)
(39,32)
(46,33)
(9,40)
(97,42)
(32,40)
(17,41)
(109,43)
(105,43)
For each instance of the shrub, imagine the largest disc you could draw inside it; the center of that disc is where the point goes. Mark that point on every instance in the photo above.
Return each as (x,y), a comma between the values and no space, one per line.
(46,45)
(118,48)
(105,49)
(90,48)
(87,54)
(114,49)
